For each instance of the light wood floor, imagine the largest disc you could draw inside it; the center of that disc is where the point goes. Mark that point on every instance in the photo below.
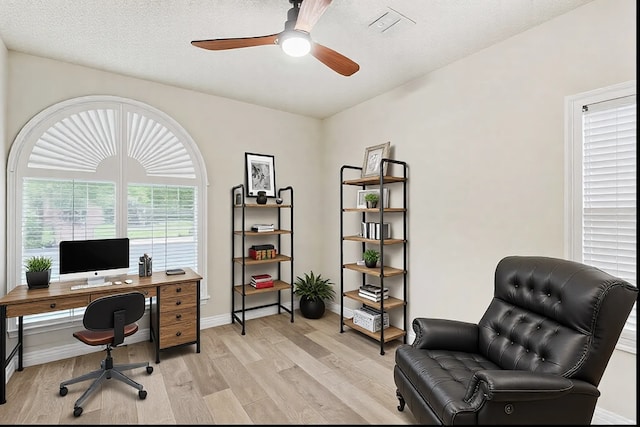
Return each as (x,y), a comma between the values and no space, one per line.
(305,372)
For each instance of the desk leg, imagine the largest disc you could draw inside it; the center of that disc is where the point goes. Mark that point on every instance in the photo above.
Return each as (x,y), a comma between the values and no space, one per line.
(20,338)
(198,316)
(3,354)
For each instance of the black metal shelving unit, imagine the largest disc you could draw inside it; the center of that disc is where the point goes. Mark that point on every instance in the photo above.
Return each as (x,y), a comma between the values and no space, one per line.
(385,273)
(240,232)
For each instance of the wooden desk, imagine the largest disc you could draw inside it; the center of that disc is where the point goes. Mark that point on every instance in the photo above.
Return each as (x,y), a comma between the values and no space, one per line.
(174,312)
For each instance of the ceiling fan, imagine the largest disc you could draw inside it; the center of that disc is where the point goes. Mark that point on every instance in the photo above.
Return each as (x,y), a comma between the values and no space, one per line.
(295,39)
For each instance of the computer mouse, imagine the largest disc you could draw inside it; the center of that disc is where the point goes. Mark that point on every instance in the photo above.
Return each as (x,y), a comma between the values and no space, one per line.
(128,281)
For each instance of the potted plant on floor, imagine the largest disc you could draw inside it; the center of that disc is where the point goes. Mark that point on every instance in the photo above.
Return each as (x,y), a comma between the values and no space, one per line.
(371,257)
(313,291)
(371,199)
(38,271)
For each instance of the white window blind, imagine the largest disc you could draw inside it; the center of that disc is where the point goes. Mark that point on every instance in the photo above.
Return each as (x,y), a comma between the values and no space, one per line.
(609,189)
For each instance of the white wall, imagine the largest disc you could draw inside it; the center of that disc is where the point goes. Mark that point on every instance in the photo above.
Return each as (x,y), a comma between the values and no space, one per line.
(484,141)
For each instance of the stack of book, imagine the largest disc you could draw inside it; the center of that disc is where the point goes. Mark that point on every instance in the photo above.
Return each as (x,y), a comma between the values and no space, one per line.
(373,292)
(260,281)
(261,228)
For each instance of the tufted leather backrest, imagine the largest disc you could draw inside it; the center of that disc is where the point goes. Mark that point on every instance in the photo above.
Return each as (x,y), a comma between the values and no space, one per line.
(554,316)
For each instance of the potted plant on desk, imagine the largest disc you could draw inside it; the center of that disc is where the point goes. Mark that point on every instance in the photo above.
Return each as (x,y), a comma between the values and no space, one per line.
(313,291)
(38,272)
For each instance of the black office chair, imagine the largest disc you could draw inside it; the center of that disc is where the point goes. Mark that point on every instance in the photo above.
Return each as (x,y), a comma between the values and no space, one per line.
(108,320)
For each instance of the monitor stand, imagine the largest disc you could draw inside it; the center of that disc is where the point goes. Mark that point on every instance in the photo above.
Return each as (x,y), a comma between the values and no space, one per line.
(96,280)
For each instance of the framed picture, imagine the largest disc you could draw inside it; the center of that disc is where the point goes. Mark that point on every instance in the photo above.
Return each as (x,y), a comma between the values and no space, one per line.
(260,172)
(362,203)
(372,157)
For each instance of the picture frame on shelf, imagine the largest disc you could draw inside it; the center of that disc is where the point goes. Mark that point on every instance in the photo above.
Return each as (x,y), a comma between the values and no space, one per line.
(260,174)
(361,203)
(372,157)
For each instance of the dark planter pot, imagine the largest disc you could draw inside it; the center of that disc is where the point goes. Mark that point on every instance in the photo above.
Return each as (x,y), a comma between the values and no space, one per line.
(38,279)
(312,308)
(370,264)
(262,198)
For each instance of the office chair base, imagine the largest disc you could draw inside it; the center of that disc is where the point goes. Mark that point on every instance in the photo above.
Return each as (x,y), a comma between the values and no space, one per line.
(100,376)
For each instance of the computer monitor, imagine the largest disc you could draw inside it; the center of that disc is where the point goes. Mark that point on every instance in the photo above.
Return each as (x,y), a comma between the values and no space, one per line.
(94,260)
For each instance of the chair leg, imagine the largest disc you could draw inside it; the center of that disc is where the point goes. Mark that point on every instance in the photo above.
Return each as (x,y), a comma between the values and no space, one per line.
(115,374)
(87,376)
(93,387)
(127,366)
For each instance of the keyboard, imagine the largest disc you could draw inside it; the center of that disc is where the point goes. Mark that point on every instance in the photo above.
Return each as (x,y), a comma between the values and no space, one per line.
(90,285)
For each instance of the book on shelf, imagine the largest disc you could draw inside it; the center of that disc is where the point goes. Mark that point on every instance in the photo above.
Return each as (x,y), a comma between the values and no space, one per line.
(262,247)
(373,298)
(373,289)
(262,227)
(261,278)
(261,285)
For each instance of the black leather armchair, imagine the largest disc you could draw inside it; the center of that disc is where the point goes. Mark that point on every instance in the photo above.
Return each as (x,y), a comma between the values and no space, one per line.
(535,357)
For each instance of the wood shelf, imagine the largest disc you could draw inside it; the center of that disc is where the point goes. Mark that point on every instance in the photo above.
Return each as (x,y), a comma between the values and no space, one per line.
(278,285)
(251,261)
(389,304)
(374,210)
(391,333)
(373,180)
(375,241)
(388,271)
(261,233)
(266,206)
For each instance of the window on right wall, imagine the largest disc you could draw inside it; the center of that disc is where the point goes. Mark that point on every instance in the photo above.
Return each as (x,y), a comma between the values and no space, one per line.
(601,185)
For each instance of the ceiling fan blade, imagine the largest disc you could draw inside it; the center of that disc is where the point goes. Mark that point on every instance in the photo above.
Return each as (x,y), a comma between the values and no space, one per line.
(310,12)
(334,60)
(235,43)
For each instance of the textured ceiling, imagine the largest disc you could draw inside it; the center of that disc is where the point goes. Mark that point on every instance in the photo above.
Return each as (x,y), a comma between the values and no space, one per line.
(150,39)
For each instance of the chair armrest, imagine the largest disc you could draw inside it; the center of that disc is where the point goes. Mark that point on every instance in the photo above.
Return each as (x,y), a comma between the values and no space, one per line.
(443,334)
(509,385)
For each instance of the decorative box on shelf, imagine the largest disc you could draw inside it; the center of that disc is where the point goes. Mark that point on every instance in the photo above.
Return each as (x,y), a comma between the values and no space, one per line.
(369,319)
(262,252)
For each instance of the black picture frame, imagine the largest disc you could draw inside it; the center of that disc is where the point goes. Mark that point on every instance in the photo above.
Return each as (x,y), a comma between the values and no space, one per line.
(260,174)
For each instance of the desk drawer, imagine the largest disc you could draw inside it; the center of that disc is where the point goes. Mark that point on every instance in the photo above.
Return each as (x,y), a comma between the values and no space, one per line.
(177,297)
(147,292)
(47,306)
(176,333)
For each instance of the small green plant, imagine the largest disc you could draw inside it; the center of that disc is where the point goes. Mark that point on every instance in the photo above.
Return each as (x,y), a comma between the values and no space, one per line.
(371,197)
(371,256)
(314,287)
(37,263)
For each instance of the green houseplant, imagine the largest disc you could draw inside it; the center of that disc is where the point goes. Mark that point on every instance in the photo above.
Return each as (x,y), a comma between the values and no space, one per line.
(370,257)
(371,199)
(38,271)
(313,290)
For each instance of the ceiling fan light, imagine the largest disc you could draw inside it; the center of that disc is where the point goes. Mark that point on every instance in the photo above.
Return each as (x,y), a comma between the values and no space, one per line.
(296,45)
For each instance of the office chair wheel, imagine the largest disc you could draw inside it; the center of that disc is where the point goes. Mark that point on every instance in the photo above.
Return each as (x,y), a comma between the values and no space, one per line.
(142,394)
(149,369)
(77,411)
(63,391)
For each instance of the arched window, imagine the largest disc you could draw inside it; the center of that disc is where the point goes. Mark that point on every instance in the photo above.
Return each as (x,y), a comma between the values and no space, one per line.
(100,167)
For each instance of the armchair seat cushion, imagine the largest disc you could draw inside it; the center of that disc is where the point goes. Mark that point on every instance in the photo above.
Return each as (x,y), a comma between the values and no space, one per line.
(441,377)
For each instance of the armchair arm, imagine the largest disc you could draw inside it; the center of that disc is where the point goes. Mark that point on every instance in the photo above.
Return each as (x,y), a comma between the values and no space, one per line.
(443,334)
(509,385)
